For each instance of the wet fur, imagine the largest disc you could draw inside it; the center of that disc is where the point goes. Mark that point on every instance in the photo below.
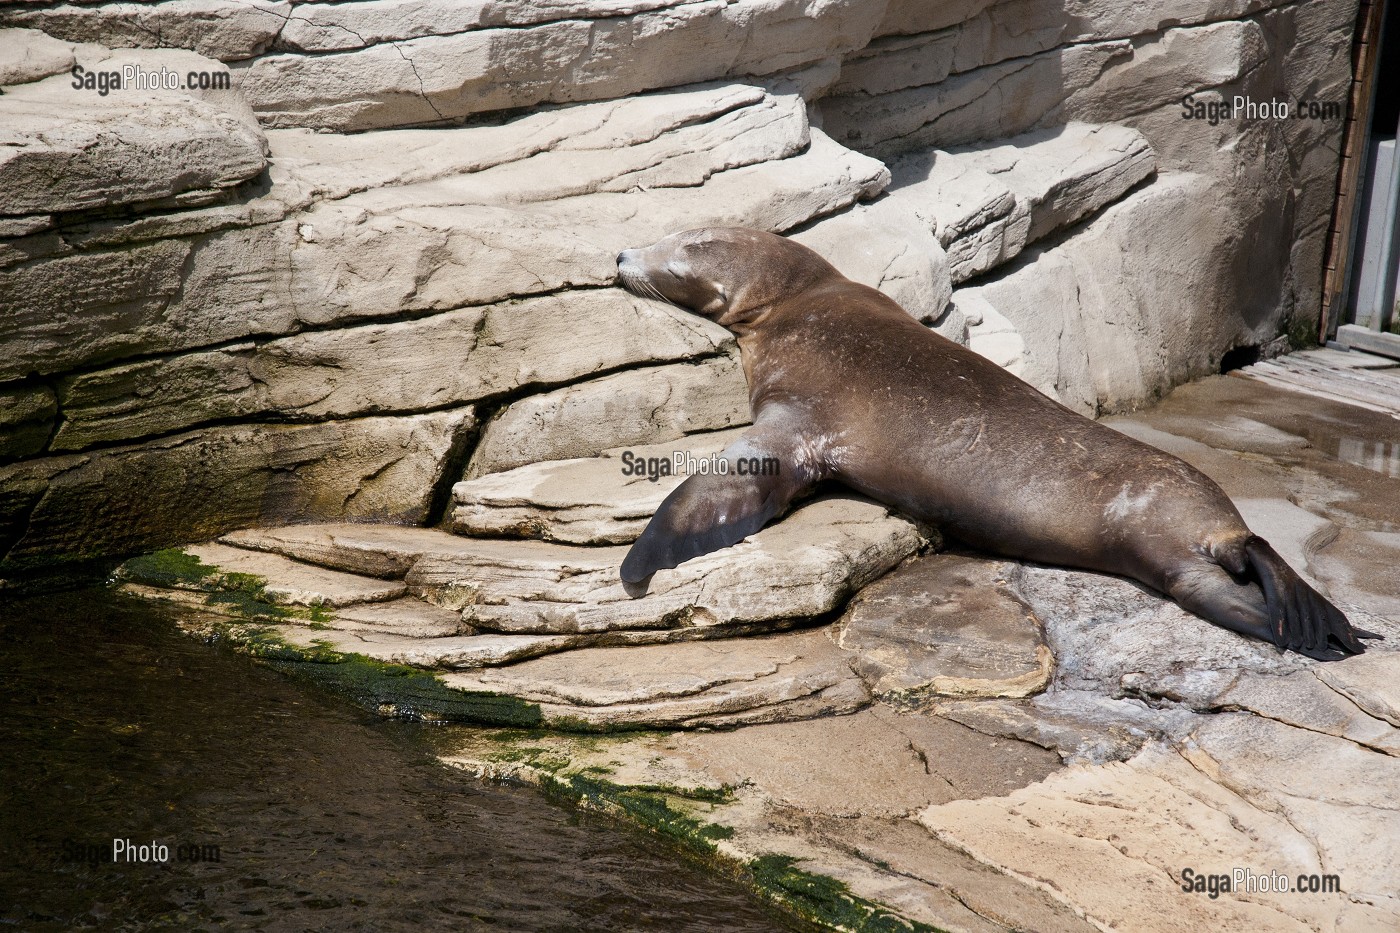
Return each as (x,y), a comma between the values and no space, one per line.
(844,384)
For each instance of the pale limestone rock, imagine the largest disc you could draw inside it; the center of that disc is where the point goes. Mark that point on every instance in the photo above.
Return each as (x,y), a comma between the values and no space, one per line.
(588,500)
(26,421)
(194,485)
(387,551)
(405,617)
(1344,811)
(326,27)
(1066,173)
(446,652)
(987,103)
(945,625)
(29,55)
(425,77)
(820,554)
(986,203)
(1369,682)
(291,583)
(116,299)
(887,246)
(417,236)
(975,217)
(1084,308)
(453,358)
(1092,61)
(128,146)
(906,17)
(641,406)
(875,763)
(895,62)
(1082,727)
(684,685)
(1305,699)
(608,142)
(1103,628)
(989,333)
(492,252)
(227,30)
(1182,61)
(995,32)
(1088,834)
(800,567)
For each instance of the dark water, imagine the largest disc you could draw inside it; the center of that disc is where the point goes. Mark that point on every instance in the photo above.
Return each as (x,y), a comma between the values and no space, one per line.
(325,817)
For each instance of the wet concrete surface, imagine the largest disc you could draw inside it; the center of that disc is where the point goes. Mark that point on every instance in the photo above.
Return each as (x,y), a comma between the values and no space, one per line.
(1318,474)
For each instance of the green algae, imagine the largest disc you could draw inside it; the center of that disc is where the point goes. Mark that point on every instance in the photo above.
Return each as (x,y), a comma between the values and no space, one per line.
(678,814)
(396,690)
(242,595)
(825,901)
(652,809)
(167,568)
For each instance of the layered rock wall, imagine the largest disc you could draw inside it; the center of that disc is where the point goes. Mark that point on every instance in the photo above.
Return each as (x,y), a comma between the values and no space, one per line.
(373,255)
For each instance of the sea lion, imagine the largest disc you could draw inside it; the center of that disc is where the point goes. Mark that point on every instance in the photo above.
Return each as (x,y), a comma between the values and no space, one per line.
(847,386)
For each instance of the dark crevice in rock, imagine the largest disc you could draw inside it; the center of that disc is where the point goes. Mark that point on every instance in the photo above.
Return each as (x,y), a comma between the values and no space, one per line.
(454,465)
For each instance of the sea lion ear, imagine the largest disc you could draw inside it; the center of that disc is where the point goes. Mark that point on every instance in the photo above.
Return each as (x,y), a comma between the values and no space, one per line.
(712,511)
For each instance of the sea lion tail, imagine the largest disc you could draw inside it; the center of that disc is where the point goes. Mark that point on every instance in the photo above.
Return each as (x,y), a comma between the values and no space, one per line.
(1299,617)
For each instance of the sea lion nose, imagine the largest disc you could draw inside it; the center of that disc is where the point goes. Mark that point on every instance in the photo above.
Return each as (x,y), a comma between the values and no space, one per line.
(622,256)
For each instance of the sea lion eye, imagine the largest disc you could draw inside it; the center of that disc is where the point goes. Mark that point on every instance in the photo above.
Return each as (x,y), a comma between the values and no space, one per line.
(675,269)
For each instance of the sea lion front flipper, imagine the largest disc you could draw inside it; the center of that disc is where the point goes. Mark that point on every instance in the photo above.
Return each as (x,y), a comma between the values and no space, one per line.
(712,511)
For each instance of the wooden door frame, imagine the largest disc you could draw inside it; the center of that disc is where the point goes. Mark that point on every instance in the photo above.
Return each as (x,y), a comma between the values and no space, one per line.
(1345,215)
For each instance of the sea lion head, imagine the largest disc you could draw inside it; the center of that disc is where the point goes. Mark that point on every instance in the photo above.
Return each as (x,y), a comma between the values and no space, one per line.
(730,275)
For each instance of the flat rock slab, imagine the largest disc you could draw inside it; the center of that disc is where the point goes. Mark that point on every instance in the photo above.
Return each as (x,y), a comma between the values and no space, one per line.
(65,149)
(192,486)
(440,61)
(377,368)
(697,683)
(632,408)
(588,500)
(407,616)
(987,203)
(874,763)
(289,582)
(1088,834)
(446,652)
(388,551)
(946,625)
(800,567)
(29,54)
(1065,173)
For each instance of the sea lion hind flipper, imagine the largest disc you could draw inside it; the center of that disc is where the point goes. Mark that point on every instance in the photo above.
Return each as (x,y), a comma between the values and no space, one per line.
(1299,617)
(712,511)
(1207,590)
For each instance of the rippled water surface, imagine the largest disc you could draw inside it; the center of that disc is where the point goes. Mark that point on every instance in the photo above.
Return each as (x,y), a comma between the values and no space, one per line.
(325,817)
